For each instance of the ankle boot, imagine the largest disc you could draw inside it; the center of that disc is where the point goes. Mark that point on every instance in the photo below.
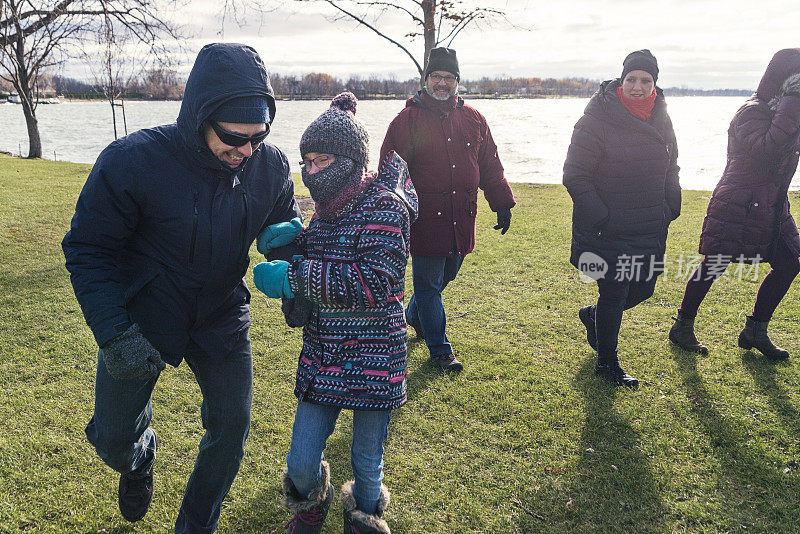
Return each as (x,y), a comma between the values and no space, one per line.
(682,334)
(358,522)
(586,315)
(754,335)
(608,367)
(309,513)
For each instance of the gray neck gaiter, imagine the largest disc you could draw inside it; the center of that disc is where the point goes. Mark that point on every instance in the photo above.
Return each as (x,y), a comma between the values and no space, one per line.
(326,184)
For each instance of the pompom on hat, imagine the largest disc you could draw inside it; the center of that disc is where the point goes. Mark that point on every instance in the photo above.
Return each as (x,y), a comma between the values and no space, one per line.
(640,60)
(337,131)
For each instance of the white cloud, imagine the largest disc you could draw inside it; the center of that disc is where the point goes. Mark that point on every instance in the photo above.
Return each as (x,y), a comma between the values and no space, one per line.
(709,44)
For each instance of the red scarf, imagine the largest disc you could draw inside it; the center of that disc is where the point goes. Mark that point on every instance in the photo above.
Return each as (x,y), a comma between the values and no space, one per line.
(641,109)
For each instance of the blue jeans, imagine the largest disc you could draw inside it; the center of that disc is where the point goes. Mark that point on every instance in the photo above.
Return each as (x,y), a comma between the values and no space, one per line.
(120,433)
(425,311)
(313,424)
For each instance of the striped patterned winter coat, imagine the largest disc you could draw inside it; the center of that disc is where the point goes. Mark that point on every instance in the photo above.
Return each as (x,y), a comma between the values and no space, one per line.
(353,270)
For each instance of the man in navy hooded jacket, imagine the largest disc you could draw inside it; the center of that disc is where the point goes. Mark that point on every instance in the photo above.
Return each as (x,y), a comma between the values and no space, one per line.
(157,251)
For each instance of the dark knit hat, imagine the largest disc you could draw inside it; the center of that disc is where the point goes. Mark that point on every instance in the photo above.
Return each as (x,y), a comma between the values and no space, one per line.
(338,131)
(245,110)
(443,59)
(640,60)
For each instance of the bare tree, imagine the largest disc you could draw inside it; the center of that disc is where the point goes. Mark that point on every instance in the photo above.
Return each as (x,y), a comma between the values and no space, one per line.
(438,22)
(37,34)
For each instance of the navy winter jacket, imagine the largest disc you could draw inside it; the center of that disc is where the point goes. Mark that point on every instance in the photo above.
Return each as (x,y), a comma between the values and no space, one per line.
(622,175)
(162,228)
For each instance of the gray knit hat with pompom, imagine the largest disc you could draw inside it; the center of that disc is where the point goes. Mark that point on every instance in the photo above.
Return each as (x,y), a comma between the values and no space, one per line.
(337,131)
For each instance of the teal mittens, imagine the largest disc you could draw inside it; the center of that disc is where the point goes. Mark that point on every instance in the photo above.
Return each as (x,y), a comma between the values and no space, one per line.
(272,279)
(129,356)
(278,235)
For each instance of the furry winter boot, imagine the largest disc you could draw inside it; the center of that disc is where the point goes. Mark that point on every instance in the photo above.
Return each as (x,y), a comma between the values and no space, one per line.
(358,522)
(682,334)
(309,513)
(754,335)
(608,367)
(586,315)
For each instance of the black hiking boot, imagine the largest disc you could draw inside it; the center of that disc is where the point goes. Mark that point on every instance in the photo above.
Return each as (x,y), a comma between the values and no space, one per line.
(586,315)
(136,494)
(609,369)
(447,362)
(682,334)
(754,336)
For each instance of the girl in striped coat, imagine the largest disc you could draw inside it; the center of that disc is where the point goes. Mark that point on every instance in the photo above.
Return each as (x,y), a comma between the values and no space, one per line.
(352,270)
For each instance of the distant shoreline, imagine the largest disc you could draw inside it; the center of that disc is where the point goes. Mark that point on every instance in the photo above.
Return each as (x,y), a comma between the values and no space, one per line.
(669,92)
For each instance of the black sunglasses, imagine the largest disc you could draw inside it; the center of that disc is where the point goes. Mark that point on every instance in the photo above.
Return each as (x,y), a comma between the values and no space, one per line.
(235,139)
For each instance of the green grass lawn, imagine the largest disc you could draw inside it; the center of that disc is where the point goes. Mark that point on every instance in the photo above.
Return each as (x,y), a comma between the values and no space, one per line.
(526,439)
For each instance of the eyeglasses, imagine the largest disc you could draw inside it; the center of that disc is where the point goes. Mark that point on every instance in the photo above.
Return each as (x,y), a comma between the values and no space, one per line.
(237,139)
(449,79)
(321,161)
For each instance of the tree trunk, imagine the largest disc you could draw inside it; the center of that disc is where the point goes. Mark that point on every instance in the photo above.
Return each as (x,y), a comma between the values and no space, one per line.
(429,31)
(28,100)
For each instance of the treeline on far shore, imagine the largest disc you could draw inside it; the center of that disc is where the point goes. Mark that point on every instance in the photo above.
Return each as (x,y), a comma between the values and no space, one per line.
(164,84)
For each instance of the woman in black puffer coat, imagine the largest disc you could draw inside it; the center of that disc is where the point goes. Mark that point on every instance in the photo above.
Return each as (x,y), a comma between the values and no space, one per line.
(622,174)
(748,217)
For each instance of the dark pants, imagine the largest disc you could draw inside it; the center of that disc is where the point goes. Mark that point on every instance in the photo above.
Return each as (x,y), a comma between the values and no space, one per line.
(785,267)
(120,433)
(425,311)
(614,298)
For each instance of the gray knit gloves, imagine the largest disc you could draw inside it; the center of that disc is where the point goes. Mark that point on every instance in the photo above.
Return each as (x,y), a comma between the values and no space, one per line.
(129,356)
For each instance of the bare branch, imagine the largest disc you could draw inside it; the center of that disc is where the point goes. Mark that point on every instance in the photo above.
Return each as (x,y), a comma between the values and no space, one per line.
(374,29)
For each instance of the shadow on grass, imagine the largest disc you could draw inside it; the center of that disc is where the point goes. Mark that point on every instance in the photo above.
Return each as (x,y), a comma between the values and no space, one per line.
(614,489)
(751,491)
(764,375)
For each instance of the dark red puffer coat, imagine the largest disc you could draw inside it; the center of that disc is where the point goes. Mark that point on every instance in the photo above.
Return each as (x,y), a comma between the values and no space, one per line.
(749,210)
(450,154)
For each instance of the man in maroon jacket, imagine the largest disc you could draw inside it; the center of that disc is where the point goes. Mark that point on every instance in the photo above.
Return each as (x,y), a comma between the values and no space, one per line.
(450,155)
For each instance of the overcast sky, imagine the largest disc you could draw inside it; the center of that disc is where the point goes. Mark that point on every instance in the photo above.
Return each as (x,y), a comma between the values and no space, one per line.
(699,44)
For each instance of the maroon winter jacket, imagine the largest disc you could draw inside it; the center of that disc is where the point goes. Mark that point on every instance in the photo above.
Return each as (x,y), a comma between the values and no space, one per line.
(450,154)
(749,210)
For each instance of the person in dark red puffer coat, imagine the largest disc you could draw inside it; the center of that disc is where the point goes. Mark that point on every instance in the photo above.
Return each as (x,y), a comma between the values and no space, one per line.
(622,174)
(748,217)
(451,155)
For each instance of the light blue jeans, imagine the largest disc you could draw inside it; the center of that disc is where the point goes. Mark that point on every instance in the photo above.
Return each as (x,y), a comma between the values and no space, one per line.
(313,424)
(121,434)
(425,311)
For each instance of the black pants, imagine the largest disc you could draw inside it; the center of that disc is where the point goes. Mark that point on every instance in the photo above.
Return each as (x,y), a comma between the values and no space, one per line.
(785,267)
(616,297)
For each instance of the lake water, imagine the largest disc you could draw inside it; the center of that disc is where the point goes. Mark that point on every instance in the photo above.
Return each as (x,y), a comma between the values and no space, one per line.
(532,135)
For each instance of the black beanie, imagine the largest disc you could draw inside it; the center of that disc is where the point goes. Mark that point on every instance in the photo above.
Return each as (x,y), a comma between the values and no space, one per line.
(640,60)
(245,109)
(443,59)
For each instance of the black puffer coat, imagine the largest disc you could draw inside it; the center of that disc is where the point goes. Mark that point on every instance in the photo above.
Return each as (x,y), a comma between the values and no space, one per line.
(748,214)
(622,175)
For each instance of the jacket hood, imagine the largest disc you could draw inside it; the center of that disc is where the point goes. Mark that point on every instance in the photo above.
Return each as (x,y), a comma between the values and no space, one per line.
(605,103)
(783,64)
(393,174)
(221,72)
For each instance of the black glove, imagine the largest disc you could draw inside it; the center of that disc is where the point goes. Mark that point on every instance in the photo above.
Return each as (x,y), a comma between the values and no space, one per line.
(297,311)
(503,220)
(129,356)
